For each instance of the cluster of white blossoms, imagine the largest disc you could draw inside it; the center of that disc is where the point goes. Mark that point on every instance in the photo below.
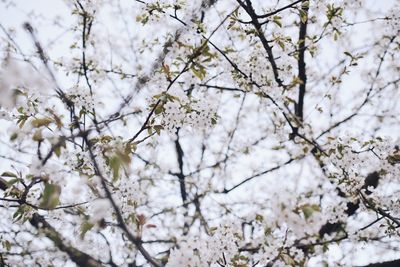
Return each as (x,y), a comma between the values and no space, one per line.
(80,161)
(270,244)
(300,216)
(393,21)
(81,98)
(272,249)
(277,244)
(174,116)
(130,195)
(198,114)
(351,161)
(203,115)
(336,212)
(221,247)
(103,151)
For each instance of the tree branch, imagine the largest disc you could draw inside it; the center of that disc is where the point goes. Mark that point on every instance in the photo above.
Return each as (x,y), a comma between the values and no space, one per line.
(77,256)
(393,263)
(250,10)
(301,60)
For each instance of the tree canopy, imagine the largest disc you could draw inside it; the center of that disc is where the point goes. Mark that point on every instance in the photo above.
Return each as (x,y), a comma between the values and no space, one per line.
(183,133)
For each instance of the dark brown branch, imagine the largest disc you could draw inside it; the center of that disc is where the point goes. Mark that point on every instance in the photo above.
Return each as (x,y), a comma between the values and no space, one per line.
(223,88)
(279,10)
(180,175)
(77,256)
(301,61)
(135,240)
(393,263)
(225,191)
(269,14)
(370,205)
(251,12)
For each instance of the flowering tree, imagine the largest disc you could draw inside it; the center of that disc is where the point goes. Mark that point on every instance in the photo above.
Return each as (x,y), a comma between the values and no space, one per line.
(200,133)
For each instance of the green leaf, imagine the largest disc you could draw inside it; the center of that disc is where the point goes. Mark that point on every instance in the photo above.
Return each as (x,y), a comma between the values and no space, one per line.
(348,54)
(17,214)
(267,231)
(21,212)
(21,120)
(167,71)
(259,218)
(57,151)
(124,156)
(115,164)
(85,227)
(303,16)
(37,136)
(281,44)
(159,109)
(57,148)
(12,181)
(51,194)
(199,71)
(7,245)
(277,20)
(9,174)
(130,147)
(308,210)
(41,122)
(158,129)
(393,159)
